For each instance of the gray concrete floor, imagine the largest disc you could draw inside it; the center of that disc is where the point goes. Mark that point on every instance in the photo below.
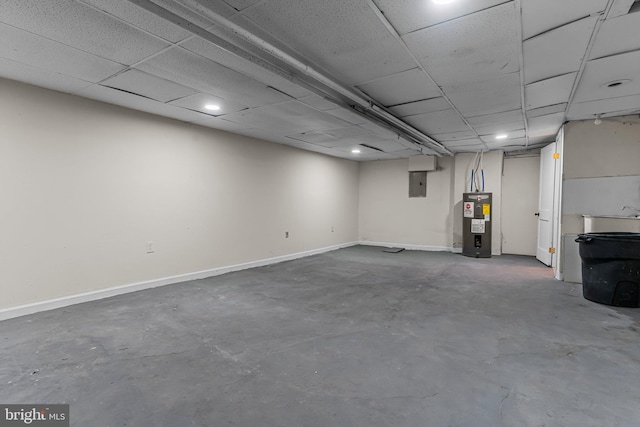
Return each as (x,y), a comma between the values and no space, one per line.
(355,337)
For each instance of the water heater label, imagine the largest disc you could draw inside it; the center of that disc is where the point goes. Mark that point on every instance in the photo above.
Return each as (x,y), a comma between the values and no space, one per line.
(468,209)
(486,209)
(477,226)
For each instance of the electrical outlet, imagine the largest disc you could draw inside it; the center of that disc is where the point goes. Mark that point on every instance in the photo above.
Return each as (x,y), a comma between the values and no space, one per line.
(286,234)
(150,248)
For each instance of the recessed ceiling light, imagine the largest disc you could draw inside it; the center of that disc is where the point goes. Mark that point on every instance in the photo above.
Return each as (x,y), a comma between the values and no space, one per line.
(502,136)
(617,83)
(212,107)
(355,151)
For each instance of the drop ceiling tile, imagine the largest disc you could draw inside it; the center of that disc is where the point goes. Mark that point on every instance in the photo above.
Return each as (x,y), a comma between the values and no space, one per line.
(546,125)
(198,101)
(344,37)
(500,128)
(241,4)
(144,84)
(472,48)
(495,95)
(117,97)
(287,118)
(220,123)
(80,26)
(619,8)
(40,77)
(496,118)
(411,15)
(390,146)
(318,102)
(348,132)
(197,18)
(315,137)
(539,16)
(544,111)
(559,51)
(445,121)
(400,88)
(617,36)
(599,72)
(140,18)
(420,107)
(454,136)
(191,70)
(463,142)
(507,144)
(555,90)
(243,66)
(491,139)
(611,106)
(379,130)
(348,115)
(30,49)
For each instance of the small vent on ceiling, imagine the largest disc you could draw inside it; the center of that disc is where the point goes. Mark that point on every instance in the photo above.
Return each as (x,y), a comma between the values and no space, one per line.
(635,7)
(371,147)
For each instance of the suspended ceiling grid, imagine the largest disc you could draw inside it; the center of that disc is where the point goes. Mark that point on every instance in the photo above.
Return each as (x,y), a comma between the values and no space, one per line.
(389,78)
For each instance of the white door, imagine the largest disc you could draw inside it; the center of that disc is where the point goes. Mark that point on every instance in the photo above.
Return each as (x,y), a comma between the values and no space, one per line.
(548,166)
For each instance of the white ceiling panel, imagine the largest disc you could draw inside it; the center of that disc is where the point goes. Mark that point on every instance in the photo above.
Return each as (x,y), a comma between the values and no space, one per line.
(421,107)
(555,90)
(194,71)
(559,51)
(80,26)
(241,4)
(485,97)
(464,142)
(617,36)
(219,7)
(318,102)
(507,144)
(411,15)
(454,136)
(499,128)
(220,123)
(491,139)
(539,16)
(496,118)
(243,66)
(401,88)
(40,77)
(140,18)
(546,125)
(475,47)
(599,73)
(605,107)
(113,96)
(445,121)
(545,111)
(344,37)
(27,48)
(620,7)
(198,101)
(348,116)
(287,118)
(144,84)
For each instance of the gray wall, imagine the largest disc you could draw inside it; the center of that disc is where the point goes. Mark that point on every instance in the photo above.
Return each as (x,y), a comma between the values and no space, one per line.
(86,185)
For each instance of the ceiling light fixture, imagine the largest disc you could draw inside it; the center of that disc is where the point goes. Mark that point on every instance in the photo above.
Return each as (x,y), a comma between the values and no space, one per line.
(355,151)
(597,121)
(212,107)
(502,136)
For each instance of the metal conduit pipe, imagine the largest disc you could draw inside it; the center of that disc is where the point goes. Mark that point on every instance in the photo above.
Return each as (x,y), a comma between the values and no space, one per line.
(305,69)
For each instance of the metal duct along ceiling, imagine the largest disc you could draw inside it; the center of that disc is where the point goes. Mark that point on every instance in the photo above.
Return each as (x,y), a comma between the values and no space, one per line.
(275,60)
(393,79)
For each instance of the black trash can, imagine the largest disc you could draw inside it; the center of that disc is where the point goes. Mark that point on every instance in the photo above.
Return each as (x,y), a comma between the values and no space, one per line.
(611,268)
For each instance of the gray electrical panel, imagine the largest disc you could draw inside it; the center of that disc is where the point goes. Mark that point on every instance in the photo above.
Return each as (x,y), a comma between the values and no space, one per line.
(476,224)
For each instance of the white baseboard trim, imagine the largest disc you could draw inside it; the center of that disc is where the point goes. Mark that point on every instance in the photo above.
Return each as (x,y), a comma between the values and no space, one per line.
(409,247)
(36,307)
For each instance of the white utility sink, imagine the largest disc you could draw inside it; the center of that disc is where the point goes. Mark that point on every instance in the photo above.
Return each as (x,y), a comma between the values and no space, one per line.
(606,223)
